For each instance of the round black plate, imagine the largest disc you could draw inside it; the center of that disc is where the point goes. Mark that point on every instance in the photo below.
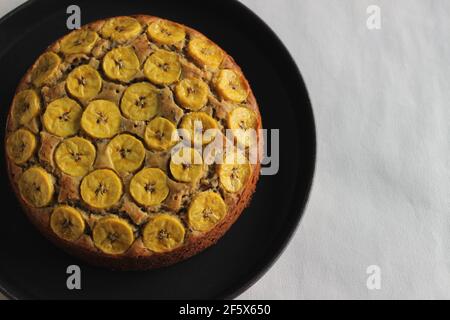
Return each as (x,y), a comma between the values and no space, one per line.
(31,267)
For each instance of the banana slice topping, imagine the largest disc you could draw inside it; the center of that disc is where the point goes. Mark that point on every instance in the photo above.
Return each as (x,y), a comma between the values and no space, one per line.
(126,153)
(165,32)
(163,67)
(160,134)
(231,86)
(62,117)
(67,223)
(199,127)
(140,102)
(234,172)
(101,189)
(121,29)
(20,146)
(186,165)
(36,187)
(204,52)
(121,64)
(113,235)
(75,156)
(149,187)
(45,68)
(84,82)
(26,106)
(163,233)
(206,211)
(243,124)
(79,41)
(101,119)
(192,94)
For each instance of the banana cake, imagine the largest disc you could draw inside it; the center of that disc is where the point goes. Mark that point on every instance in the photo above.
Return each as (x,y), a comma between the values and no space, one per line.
(109,136)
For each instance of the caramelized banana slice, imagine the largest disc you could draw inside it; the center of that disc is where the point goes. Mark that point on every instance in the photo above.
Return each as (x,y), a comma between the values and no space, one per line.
(101,119)
(192,94)
(45,68)
(26,106)
(101,189)
(36,187)
(163,67)
(112,235)
(186,165)
(199,127)
(121,64)
(205,52)
(75,156)
(20,146)
(62,117)
(243,124)
(84,82)
(207,209)
(149,187)
(160,134)
(67,223)
(79,41)
(231,86)
(163,233)
(121,29)
(140,102)
(126,152)
(166,32)
(234,172)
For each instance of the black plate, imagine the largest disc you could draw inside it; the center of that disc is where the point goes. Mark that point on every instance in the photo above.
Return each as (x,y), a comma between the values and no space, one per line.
(31,267)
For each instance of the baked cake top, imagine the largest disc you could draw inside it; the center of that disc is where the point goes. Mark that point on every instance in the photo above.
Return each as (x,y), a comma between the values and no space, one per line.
(101,130)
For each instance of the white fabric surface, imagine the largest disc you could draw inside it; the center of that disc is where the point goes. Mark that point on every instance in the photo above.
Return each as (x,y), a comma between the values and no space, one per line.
(380,194)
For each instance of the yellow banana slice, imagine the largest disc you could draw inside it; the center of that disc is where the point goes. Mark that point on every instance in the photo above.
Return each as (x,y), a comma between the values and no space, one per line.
(165,32)
(163,67)
(45,68)
(149,187)
(67,223)
(62,117)
(79,41)
(75,156)
(140,102)
(20,146)
(160,134)
(36,187)
(126,152)
(101,188)
(231,86)
(84,82)
(112,235)
(186,165)
(199,127)
(121,64)
(26,106)
(243,123)
(192,94)
(205,52)
(207,209)
(163,233)
(121,29)
(234,172)
(101,119)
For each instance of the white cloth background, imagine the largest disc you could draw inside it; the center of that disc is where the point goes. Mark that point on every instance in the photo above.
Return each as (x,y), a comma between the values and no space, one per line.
(381,102)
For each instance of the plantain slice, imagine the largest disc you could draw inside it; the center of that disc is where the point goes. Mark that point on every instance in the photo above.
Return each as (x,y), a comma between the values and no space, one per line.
(163,233)
(113,235)
(67,223)
(20,146)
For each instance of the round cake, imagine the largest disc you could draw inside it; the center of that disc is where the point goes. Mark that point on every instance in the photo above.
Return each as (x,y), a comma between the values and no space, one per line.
(131,142)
